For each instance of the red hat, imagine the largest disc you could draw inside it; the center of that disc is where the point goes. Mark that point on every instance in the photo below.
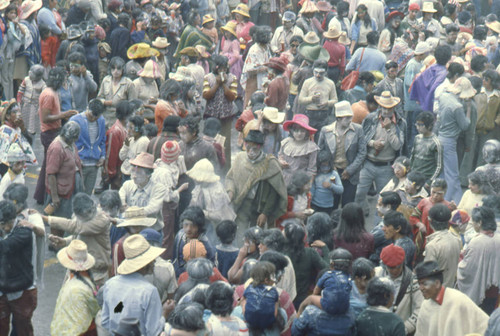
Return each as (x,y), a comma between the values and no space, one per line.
(394,14)
(277,63)
(300,119)
(392,255)
(170,151)
(414,6)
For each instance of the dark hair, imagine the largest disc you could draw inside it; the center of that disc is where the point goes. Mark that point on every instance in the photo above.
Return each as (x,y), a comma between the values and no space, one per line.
(439,217)
(319,227)
(96,107)
(191,17)
(123,19)
(297,183)
(452,28)
(7,211)
(372,37)
(480,179)
(17,192)
(212,127)
(427,118)
(450,9)
(219,298)
(455,69)
(480,33)
(110,199)
(83,205)
(44,31)
(362,267)
(391,198)
(261,271)
(352,223)
(367,77)
(253,234)
(169,88)
(493,76)
(442,54)
(248,265)
(150,130)
(335,218)
(273,239)
(135,104)
(486,216)
(367,20)
(403,161)
(257,97)
(320,64)
(77,57)
(138,123)
(186,85)
(123,110)
(276,258)
(226,231)
(194,214)
(294,234)
(56,78)
(398,221)
(187,317)
(390,65)
(492,202)
(464,17)
(370,99)
(11,7)
(220,61)
(296,38)
(478,63)
(342,7)
(417,178)
(116,62)
(342,260)
(379,291)
(191,123)
(262,34)
(324,156)
(439,183)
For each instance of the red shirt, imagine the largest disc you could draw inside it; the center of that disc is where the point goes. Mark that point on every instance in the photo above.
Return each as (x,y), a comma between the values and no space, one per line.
(217,276)
(115,137)
(337,54)
(49,99)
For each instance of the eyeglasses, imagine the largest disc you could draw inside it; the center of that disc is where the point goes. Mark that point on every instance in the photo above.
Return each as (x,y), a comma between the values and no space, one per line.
(74,65)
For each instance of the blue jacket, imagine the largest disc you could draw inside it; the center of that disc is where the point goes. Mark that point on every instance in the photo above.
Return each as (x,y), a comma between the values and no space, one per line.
(314,321)
(85,149)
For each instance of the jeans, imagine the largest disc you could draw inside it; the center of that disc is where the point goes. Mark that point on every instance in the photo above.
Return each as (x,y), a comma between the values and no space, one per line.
(21,310)
(370,173)
(450,169)
(89,177)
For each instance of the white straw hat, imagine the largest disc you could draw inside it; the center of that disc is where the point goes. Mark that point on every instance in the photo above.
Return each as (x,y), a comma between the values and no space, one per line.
(75,256)
(135,216)
(138,253)
(343,109)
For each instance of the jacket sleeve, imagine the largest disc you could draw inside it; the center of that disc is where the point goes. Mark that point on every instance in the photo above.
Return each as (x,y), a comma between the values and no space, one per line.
(156,200)
(360,155)
(102,136)
(60,223)
(91,84)
(16,241)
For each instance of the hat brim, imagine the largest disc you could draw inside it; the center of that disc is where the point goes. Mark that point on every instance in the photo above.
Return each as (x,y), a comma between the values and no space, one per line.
(207,21)
(4,4)
(247,139)
(429,11)
(160,46)
(134,161)
(287,124)
(235,11)
(65,260)
(134,54)
(132,265)
(142,221)
(393,15)
(395,101)
(305,50)
(229,31)
(36,6)
(495,26)
(325,34)
(278,120)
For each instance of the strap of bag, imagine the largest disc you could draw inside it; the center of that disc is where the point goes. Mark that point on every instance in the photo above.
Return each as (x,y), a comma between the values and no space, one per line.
(405,282)
(361,59)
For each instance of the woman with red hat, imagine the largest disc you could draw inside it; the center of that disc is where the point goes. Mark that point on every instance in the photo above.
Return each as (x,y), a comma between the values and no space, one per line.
(277,89)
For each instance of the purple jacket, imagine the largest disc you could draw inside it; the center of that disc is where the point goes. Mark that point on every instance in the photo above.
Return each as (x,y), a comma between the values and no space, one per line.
(423,87)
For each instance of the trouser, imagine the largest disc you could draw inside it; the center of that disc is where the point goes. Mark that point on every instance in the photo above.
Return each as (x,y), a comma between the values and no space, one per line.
(371,172)
(289,112)
(21,310)
(334,73)
(7,73)
(349,192)
(318,119)
(226,126)
(411,129)
(89,177)
(246,218)
(46,139)
(168,211)
(450,169)
(321,209)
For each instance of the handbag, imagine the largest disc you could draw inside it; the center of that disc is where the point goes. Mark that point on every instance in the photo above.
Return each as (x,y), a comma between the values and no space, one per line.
(350,80)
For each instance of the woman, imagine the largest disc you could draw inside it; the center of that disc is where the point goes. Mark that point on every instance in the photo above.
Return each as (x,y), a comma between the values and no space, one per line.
(193,147)
(32,51)
(186,319)
(114,88)
(351,233)
(230,48)
(190,98)
(397,229)
(50,121)
(193,22)
(391,31)
(478,189)
(146,89)
(135,144)
(76,305)
(243,24)
(167,105)
(250,250)
(362,24)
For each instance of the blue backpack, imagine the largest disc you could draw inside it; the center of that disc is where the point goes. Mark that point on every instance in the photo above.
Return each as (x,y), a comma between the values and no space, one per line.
(260,303)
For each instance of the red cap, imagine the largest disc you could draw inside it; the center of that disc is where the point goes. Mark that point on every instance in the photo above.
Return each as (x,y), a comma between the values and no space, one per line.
(414,6)
(392,255)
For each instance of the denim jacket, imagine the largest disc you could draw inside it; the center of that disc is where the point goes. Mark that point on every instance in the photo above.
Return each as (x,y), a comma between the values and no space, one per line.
(86,150)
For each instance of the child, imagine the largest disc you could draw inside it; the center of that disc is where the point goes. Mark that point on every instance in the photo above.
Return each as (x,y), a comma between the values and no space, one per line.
(401,167)
(226,252)
(298,151)
(211,131)
(458,224)
(256,104)
(27,97)
(325,185)
(15,39)
(333,289)
(49,46)
(249,250)
(110,203)
(412,193)
(104,52)
(208,28)
(16,160)
(299,200)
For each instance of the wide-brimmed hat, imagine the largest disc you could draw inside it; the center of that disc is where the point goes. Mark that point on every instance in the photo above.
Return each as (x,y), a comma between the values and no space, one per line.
(343,109)
(428,7)
(15,153)
(311,38)
(343,39)
(202,51)
(299,119)
(105,46)
(230,27)
(463,88)
(332,33)
(387,100)
(495,26)
(277,63)
(75,256)
(445,21)
(308,7)
(427,269)
(181,74)
(207,18)
(141,50)
(135,216)
(144,160)
(203,171)
(138,253)
(422,48)
(323,6)
(4,4)
(394,14)
(313,53)
(255,136)
(73,32)
(242,9)
(160,42)
(28,7)
(150,70)
(170,151)
(194,249)
(189,51)
(273,115)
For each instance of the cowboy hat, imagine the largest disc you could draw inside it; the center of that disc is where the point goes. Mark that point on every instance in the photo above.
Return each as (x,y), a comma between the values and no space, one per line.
(311,38)
(202,51)
(160,42)
(28,7)
(495,26)
(332,33)
(203,171)
(428,7)
(144,160)
(462,88)
(135,216)
(150,70)
(313,53)
(308,7)
(323,6)
(299,119)
(104,46)
(174,6)
(394,14)
(276,63)
(273,115)
(387,100)
(255,136)
(343,109)
(141,50)
(75,256)
(230,27)
(207,18)
(427,269)
(4,4)
(138,253)
(190,51)
(242,9)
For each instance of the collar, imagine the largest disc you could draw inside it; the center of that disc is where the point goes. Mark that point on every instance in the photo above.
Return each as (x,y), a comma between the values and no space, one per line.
(489,233)
(64,143)
(334,126)
(440,297)
(379,309)
(11,174)
(258,159)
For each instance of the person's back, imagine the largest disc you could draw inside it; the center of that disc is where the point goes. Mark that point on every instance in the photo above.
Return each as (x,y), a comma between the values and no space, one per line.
(336,291)
(379,321)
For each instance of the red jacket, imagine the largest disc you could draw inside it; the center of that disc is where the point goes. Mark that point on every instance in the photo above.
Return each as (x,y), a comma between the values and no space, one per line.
(289,209)
(115,136)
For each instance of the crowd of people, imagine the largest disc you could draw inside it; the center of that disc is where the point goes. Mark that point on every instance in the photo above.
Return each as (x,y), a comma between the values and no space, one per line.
(210,167)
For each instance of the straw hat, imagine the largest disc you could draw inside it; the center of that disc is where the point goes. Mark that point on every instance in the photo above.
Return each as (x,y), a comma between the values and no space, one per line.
(422,48)
(170,151)
(160,42)
(394,14)
(313,53)
(311,38)
(104,46)
(462,88)
(181,74)
(135,216)
(332,33)
(75,256)
(344,39)
(202,51)
(230,27)
(203,171)
(194,249)
(343,109)
(15,153)
(299,119)
(277,63)
(273,115)
(174,6)
(445,21)
(138,253)
(151,70)
(428,7)
(308,7)
(141,50)
(4,4)
(387,100)
(207,18)
(189,51)
(495,26)
(28,7)
(144,160)
(323,6)
(242,9)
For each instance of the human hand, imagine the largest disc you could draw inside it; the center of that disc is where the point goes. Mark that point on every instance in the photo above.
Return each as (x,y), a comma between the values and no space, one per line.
(230,194)
(69,114)
(127,141)
(452,206)
(100,162)
(421,227)
(83,70)
(261,220)
(378,145)
(168,307)
(25,223)
(57,242)
(326,184)
(183,187)
(345,175)
(56,202)
(243,252)
(323,106)
(283,163)
(318,243)
(300,215)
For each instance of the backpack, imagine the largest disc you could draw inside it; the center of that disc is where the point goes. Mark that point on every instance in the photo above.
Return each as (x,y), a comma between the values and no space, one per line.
(260,303)
(335,299)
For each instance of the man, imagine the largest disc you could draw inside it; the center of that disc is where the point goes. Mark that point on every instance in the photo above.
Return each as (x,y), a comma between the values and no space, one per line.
(364,86)
(363,108)
(427,21)
(140,191)
(336,63)
(384,134)
(341,22)
(393,84)
(256,186)
(91,143)
(189,58)
(278,89)
(282,36)
(452,31)
(478,273)
(369,58)
(445,311)
(407,298)
(129,295)
(454,115)
(387,201)
(491,157)
(169,133)
(346,141)
(442,246)
(18,295)
(318,94)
